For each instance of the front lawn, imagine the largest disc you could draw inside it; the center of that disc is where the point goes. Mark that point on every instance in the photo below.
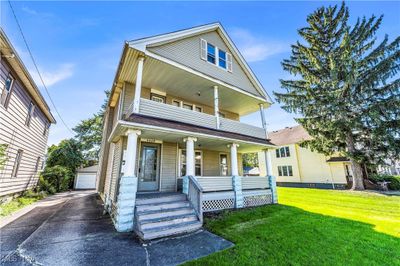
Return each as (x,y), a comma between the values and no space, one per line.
(312,227)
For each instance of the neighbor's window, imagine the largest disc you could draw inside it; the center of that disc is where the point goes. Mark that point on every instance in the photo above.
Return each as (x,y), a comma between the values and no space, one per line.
(210,53)
(5,96)
(198,162)
(17,162)
(37,164)
(282,152)
(285,170)
(31,109)
(46,128)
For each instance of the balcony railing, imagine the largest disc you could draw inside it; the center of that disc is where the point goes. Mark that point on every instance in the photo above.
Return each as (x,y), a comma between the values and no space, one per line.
(170,112)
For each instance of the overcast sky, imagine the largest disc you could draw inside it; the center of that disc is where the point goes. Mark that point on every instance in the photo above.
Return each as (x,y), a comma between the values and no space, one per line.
(78,45)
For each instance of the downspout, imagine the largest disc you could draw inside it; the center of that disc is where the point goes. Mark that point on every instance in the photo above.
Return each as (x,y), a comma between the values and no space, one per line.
(298,161)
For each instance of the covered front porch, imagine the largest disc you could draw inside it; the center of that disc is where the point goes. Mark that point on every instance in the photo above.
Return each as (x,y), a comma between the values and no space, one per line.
(206,168)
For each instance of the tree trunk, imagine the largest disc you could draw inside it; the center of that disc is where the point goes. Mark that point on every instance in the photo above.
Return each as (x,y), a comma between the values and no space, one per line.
(358,182)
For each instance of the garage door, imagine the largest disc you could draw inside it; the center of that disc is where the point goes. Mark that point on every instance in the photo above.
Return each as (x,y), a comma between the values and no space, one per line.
(86,181)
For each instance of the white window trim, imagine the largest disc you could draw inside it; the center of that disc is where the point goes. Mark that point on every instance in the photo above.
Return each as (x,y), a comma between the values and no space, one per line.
(217,57)
(181,103)
(227,162)
(180,162)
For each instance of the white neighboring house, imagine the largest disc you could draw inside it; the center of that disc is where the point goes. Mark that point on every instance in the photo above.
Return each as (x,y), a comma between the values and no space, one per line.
(86,178)
(391,167)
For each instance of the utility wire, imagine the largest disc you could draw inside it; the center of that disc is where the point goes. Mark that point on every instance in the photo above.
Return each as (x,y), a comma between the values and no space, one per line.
(37,69)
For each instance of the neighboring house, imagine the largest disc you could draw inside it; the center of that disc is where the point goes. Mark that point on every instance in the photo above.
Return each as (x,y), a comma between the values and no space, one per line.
(25,120)
(391,167)
(174,113)
(295,166)
(85,177)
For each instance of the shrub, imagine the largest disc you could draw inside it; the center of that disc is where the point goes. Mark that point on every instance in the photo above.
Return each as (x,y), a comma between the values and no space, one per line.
(56,179)
(394,180)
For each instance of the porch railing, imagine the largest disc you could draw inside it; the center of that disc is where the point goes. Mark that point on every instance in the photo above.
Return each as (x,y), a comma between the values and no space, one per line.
(167,111)
(213,193)
(195,195)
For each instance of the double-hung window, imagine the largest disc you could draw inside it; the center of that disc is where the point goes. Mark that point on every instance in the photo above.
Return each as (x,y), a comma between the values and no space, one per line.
(157,98)
(215,55)
(285,170)
(282,152)
(31,109)
(211,53)
(5,96)
(222,59)
(198,163)
(17,162)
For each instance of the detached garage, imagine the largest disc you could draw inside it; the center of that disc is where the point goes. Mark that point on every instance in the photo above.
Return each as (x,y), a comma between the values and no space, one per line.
(86,178)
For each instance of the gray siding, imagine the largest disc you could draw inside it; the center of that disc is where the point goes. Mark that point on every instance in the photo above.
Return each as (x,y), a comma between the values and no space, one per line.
(187,52)
(17,135)
(115,169)
(168,166)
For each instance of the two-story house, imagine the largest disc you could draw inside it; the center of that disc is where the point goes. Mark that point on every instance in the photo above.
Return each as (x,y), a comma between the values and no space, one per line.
(173,140)
(296,166)
(25,119)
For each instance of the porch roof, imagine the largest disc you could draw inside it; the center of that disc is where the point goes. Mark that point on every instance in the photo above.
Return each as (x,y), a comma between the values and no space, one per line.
(137,118)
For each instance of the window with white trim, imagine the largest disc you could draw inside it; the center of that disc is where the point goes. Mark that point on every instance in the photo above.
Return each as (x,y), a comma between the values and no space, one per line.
(187,106)
(6,94)
(198,158)
(215,55)
(282,152)
(17,162)
(29,116)
(285,170)
(157,98)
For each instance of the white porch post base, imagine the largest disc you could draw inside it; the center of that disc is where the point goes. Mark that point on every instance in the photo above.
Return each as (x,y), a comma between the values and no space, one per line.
(185,185)
(124,217)
(237,187)
(272,185)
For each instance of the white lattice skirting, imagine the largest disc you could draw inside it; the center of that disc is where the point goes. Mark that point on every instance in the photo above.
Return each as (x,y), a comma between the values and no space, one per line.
(215,201)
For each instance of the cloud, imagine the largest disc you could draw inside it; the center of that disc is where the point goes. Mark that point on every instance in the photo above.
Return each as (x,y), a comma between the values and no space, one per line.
(255,48)
(33,12)
(52,77)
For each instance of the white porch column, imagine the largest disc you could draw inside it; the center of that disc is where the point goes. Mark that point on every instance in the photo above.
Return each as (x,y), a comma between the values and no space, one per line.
(138,85)
(263,120)
(216,106)
(190,163)
(124,216)
(271,177)
(234,160)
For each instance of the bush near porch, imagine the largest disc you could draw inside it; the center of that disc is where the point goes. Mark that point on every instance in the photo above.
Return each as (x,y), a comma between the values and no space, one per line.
(311,227)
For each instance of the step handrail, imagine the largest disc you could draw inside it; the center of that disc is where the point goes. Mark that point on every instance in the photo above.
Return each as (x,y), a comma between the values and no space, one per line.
(195,196)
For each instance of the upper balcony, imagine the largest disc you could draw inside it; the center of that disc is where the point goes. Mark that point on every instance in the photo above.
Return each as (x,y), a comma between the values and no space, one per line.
(170,112)
(212,103)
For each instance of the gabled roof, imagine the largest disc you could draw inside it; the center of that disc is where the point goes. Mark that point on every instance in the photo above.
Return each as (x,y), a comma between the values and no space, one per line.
(10,54)
(289,135)
(143,43)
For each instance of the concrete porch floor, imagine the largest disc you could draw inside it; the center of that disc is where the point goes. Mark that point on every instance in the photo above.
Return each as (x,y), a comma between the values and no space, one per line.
(76,232)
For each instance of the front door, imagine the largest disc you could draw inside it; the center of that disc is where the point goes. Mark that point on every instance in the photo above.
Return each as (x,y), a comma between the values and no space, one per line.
(149,167)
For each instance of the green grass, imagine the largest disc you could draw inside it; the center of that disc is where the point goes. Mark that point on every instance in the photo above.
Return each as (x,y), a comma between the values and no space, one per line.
(18,203)
(311,227)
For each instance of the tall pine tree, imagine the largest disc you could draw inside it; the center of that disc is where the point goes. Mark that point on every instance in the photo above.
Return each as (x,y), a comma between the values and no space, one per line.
(346,88)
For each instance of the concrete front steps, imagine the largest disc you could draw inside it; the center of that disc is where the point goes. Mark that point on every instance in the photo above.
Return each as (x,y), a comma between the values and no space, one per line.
(164,215)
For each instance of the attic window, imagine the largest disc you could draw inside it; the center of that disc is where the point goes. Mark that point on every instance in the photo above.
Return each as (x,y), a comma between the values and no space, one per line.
(215,56)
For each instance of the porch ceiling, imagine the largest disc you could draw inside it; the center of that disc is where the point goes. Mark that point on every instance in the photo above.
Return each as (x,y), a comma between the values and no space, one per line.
(203,142)
(175,81)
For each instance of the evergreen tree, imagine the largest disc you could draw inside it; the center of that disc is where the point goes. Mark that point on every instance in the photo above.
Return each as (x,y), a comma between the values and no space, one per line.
(345,88)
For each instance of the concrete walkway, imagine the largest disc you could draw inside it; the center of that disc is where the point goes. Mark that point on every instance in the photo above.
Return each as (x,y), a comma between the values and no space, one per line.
(71,229)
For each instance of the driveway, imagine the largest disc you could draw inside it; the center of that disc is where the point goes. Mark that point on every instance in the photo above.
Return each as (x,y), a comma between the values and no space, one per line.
(71,229)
